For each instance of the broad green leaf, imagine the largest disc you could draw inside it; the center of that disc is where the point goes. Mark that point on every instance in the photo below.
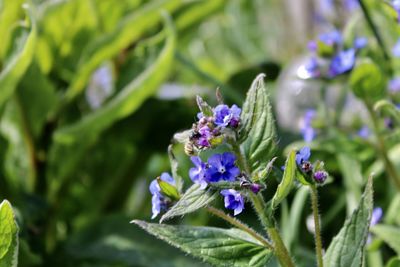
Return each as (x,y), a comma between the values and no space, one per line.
(392,215)
(220,247)
(168,189)
(347,247)
(127,100)
(384,105)
(388,233)
(17,65)
(367,81)
(8,236)
(257,134)
(109,45)
(193,199)
(286,184)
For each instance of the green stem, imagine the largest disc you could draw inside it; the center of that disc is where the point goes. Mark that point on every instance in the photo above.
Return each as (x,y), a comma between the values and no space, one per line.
(260,207)
(240,225)
(317,235)
(376,33)
(391,170)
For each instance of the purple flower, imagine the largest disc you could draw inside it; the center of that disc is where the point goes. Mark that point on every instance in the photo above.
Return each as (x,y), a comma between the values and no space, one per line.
(233,200)
(205,136)
(255,188)
(394,85)
(222,167)
(396,6)
(396,49)
(364,132)
(303,155)
(331,38)
(350,5)
(360,42)
(225,116)
(320,176)
(377,214)
(307,130)
(158,200)
(342,62)
(199,172)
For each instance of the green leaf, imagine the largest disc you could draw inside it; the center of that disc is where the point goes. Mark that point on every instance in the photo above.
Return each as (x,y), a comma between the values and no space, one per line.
(367,81)
(17,65)
(127,101)
(204,107)
(220,247)
(257,133)
(347,247)
(388,233)
(109,45)
(168,189)
(193,199)
(8,236)
(286,184)
(393,262)
(174,169)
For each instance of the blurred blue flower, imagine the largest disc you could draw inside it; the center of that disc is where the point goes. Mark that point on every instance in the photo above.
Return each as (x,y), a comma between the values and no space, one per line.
(158,200)
(396,49)
(394,85)
(331,38)
(376,217)
(396,6)
(307,130)
(225,116)
(364,132)
(303,155)
(100,87)
(360,42)
(222,167)
(342,62)
(199,172)
(233,200)
(350,5)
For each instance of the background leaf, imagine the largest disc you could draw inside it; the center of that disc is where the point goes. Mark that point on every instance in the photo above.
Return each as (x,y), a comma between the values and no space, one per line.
(219,247)
(388,233)
(347,248)
(8,236)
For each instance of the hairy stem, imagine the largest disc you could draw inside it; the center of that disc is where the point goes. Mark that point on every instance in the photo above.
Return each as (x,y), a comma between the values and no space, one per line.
(317,234)
(240,225)
(391,170)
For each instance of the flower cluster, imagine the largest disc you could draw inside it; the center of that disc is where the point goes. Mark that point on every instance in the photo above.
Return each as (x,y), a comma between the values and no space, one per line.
(207,132)
(219,167)
(329,57)
(315,171)
(159,201)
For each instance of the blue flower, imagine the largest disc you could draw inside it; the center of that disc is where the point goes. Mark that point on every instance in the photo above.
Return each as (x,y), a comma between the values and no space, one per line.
(331,38)
(394,85)
(377,214)
(205,136)
(225,116)
(199,172)
(158,200)
(364,132)
(396,49)
(320,176)
(222,167)
(233,200)
(303,155)
(351,5)
(396,6)
(360,42)
(307,130)
(342,62)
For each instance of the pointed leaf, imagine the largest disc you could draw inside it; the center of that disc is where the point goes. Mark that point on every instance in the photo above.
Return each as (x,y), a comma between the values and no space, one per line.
(257,133)
(390,234)
(286,184)
(193,199)
(168,189)
(8,236)
(219,247)
(347,247)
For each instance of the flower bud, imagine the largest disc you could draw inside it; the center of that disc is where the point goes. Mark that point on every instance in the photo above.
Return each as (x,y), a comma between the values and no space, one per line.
(320,176)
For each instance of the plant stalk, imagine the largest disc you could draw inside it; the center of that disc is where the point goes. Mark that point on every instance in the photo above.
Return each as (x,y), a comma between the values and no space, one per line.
(317,234)
(240,225)
(391,170)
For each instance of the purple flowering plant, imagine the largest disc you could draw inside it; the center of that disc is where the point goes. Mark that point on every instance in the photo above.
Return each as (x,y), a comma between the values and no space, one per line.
(234,177)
